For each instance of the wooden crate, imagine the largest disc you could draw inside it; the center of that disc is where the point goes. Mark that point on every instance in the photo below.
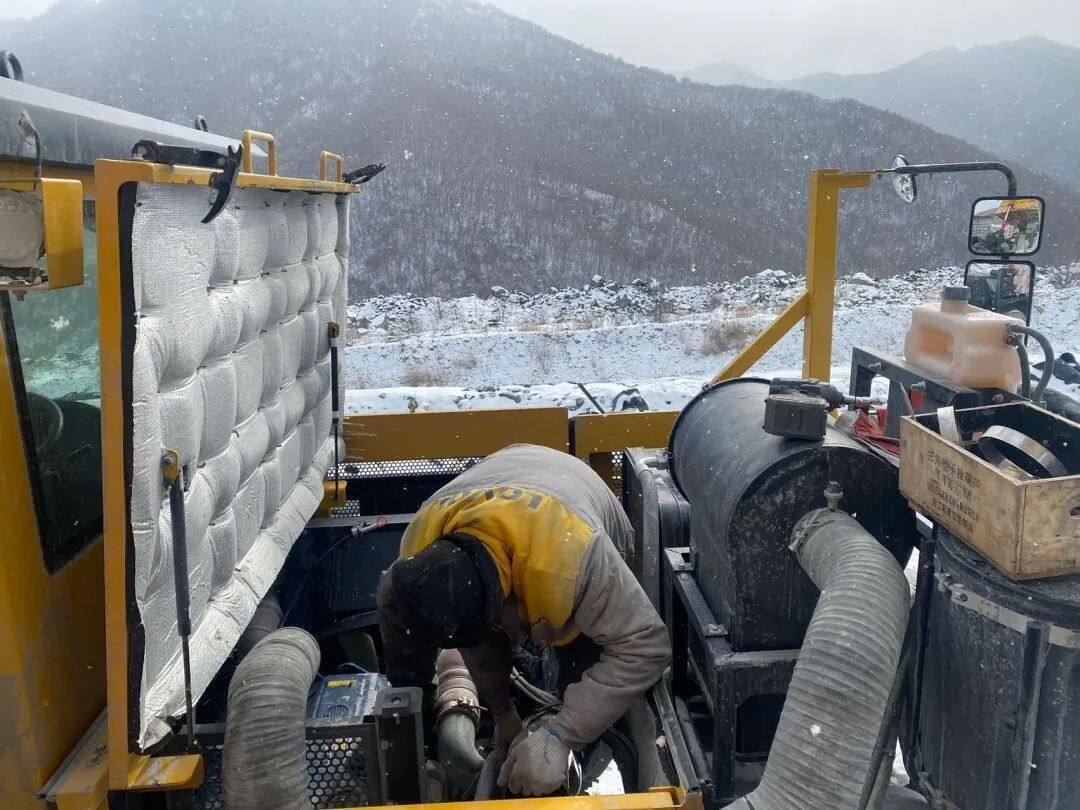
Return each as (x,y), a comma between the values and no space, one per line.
(1026,529)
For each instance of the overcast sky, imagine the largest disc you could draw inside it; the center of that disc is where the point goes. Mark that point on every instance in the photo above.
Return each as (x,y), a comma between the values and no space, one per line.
(776,38)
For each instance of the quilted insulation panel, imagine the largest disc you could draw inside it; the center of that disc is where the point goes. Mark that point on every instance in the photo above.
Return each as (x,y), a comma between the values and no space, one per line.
(231,369)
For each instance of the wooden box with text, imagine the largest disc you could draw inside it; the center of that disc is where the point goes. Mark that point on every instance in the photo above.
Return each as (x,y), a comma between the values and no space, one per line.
(1025,528)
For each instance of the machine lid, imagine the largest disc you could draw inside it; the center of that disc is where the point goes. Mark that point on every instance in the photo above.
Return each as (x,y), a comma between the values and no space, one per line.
(1052,599)
(76,132)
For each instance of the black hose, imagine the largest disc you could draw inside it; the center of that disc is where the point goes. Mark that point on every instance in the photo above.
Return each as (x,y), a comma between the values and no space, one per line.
(1048,354)
(1017,343)
(264,761)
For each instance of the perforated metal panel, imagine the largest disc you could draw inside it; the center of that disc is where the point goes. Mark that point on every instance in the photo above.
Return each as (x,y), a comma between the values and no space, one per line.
(393,469)
(343,771)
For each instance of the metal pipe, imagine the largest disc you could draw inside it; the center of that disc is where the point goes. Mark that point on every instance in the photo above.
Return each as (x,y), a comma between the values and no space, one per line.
(173,475)
(941,168)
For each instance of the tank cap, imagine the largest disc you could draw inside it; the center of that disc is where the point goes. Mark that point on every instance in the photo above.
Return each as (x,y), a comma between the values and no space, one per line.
(956,294)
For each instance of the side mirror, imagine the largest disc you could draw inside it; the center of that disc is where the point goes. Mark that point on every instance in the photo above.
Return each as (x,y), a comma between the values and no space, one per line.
(904,184)
(1001,286)
(1006,226)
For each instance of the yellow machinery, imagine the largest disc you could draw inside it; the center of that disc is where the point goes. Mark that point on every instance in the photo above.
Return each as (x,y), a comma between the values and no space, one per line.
(66,593)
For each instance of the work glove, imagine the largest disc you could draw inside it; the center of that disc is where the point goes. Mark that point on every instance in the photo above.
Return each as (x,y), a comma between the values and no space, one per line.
(507,728)
(537,764)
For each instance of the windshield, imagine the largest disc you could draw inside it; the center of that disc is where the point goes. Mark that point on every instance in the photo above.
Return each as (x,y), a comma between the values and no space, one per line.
(53,342)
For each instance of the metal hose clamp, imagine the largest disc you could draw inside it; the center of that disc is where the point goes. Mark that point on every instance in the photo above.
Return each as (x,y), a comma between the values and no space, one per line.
(1029,455)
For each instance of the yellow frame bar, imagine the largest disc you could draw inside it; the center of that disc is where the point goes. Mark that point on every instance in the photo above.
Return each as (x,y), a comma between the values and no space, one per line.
(250,135)
(128,770)
(815,306)
(324,160)
(451,434)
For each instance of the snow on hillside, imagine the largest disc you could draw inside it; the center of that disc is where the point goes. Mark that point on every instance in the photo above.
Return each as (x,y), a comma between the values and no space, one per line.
(632,346)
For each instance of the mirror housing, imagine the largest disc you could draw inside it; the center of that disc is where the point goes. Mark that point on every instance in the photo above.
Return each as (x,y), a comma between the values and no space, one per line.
(903,184)
(1006,226)
(1001,286)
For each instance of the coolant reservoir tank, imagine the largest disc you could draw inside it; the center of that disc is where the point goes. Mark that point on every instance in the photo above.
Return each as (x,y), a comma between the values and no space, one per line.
(963,343)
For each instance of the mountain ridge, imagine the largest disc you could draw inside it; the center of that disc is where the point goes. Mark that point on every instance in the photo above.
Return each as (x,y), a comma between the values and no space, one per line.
(1034,82)
(517,157)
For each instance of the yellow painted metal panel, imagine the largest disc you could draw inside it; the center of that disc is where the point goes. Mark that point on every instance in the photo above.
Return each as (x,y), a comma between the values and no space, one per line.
(12,173)
(610,432)
(653,800)
(82,783)
(451,434)
(51,631)
(63,203)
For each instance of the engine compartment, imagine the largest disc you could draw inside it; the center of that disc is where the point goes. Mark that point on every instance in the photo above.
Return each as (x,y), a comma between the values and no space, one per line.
(370,744)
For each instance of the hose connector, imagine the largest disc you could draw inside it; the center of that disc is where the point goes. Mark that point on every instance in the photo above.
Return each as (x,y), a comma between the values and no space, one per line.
(455,689)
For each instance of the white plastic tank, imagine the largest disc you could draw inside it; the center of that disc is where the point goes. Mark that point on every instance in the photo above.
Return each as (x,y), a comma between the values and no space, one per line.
(963,343)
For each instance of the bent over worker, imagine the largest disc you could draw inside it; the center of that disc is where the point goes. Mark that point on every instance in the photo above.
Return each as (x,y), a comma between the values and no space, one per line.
(529,542)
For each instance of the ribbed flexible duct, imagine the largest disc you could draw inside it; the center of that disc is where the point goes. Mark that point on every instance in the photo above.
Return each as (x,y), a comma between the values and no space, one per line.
(822,749)
(264,766)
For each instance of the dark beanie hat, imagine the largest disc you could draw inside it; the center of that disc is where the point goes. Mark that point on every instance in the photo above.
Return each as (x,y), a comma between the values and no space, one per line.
(450,590)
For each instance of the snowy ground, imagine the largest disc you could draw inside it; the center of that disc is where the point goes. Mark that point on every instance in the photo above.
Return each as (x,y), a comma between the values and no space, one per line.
(629,345)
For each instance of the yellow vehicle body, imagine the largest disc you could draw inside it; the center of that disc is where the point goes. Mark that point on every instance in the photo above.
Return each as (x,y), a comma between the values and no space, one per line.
(64,684)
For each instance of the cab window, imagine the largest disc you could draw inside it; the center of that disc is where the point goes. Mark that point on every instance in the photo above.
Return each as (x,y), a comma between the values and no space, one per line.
(52,343)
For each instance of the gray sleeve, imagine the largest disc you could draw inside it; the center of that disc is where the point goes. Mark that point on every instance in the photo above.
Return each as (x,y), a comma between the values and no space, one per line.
(613,611)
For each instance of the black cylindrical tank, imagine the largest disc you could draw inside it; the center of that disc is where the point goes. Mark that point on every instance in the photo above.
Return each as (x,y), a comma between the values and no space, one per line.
(999,721)
(747,489)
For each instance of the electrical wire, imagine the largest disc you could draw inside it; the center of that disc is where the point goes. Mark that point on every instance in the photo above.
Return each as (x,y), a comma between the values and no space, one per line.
(534,693)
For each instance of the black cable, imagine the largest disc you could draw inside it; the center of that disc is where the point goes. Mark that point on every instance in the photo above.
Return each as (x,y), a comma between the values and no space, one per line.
(1048,353)
(1017,343)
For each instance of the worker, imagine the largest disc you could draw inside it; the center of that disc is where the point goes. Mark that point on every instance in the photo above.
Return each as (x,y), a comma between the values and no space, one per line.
(529,542)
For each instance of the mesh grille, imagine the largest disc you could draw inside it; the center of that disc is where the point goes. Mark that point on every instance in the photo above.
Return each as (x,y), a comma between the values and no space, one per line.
(615,479)
(337,769)
(393,469)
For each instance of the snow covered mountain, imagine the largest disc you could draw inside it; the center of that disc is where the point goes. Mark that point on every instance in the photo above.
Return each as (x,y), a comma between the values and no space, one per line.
(517,157)
(1018,99)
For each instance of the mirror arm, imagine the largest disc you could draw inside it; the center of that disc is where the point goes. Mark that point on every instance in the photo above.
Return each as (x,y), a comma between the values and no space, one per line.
(977,166)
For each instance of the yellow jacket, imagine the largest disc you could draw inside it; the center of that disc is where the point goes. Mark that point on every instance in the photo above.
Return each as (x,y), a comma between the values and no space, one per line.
(537,511)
